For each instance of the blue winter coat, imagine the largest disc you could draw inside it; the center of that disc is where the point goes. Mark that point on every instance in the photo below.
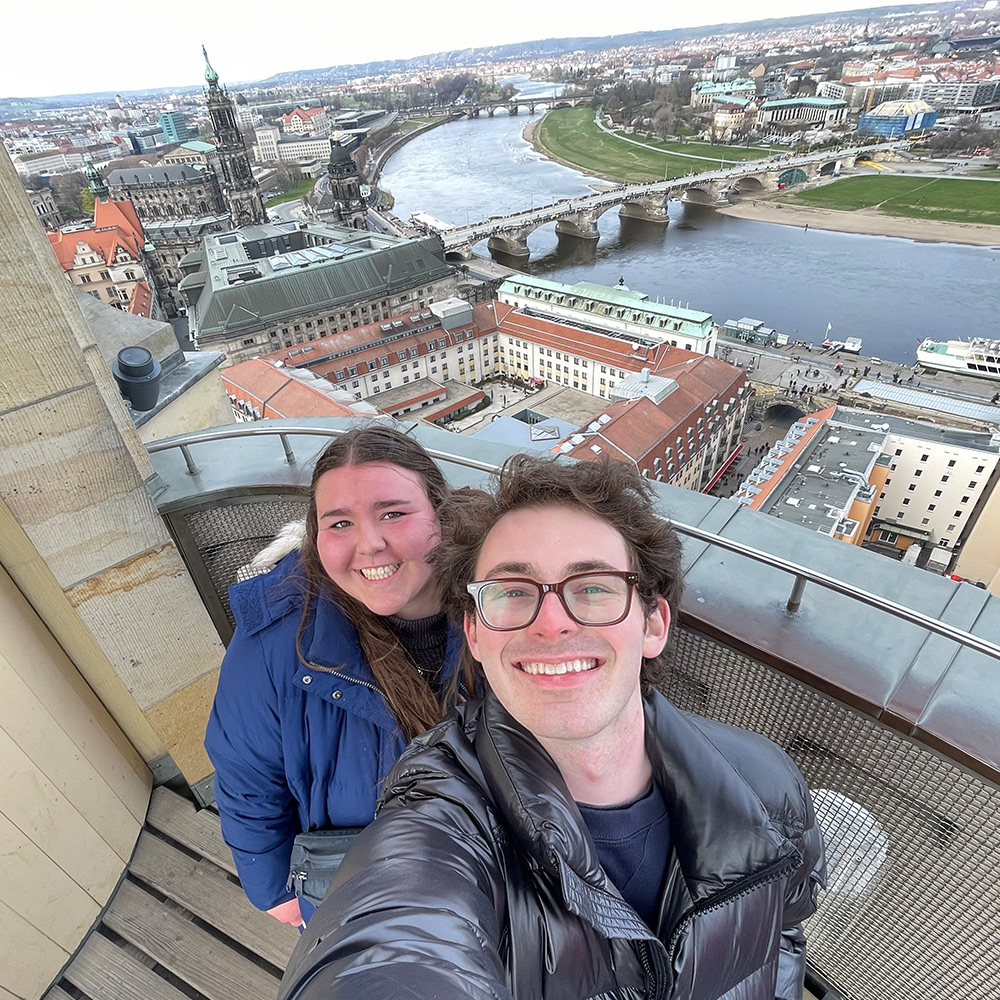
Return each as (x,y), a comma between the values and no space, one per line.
(296,746)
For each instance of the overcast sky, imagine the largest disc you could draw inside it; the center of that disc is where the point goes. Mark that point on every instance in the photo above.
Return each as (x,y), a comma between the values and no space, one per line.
(73,49)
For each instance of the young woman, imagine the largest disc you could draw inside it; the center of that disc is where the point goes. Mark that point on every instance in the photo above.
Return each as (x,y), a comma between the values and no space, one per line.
(341,655)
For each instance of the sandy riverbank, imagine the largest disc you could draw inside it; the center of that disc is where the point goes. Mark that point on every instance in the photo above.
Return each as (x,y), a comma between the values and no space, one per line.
(867,221)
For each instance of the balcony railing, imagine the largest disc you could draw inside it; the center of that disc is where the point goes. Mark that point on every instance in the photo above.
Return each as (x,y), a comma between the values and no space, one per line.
(889,705)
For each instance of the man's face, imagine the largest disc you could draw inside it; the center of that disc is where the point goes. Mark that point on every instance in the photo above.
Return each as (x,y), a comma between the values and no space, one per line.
(597,690)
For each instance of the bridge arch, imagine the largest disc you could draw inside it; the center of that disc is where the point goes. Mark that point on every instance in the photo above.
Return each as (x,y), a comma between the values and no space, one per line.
(697,196)
(748,185)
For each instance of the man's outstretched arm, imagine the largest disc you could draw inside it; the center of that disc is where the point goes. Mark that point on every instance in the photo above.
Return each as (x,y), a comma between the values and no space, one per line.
(413,912)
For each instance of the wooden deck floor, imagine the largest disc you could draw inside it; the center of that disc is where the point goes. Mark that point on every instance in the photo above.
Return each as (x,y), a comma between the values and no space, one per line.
(179,927)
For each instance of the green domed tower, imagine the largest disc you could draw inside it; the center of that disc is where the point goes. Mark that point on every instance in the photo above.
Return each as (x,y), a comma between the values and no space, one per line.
(239,188)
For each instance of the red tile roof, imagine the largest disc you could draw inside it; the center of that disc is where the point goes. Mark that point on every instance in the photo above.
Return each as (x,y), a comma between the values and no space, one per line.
(315,355)
(639,428)
(115,225)
(789,460)
(275,393)
(141,303)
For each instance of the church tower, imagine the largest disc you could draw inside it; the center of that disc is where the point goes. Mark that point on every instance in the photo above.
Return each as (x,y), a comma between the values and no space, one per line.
(342,203)
(243,199)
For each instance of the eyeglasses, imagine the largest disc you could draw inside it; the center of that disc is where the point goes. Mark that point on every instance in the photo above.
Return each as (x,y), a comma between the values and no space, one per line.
(589,599)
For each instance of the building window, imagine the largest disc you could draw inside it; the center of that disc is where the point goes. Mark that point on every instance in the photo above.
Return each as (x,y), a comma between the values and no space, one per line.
(899,451)
(951,527)
(932,506)
(958,513)
(980,468)
(912,487)
(944,479)
(951,464)
(889,537)
(925,520)
(918,472)
(972,485)
(906,500)
(937,493)
(965,499)
(923,458)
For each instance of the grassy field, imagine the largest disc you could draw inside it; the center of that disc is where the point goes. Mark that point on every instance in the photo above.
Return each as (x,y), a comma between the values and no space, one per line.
(411,123)
(571,135)
(936,198)
(302,188)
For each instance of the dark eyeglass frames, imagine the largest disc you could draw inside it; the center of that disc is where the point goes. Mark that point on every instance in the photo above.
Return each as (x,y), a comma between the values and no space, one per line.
(602,598)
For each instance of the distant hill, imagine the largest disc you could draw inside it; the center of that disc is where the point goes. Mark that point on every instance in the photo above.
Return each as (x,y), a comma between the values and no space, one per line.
(14,107)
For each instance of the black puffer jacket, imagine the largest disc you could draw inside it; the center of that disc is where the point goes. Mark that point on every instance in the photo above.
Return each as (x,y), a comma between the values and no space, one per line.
(479,880)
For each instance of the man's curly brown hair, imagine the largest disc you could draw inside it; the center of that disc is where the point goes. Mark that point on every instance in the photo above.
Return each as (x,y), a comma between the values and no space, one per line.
(609,490)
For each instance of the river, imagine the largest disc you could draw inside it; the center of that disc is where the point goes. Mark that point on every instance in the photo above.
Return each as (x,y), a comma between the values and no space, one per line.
(890,292)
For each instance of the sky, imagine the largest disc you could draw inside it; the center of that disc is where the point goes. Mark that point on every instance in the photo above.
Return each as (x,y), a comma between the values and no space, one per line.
(251,41)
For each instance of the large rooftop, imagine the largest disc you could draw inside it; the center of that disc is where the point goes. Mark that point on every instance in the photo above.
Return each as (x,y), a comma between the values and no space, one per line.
(628,304)
(256,276)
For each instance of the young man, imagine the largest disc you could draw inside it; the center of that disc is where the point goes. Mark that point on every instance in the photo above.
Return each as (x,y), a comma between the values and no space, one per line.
(573,835)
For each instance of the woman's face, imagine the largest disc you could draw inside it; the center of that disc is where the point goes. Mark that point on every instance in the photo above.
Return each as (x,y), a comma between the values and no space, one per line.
(376,527)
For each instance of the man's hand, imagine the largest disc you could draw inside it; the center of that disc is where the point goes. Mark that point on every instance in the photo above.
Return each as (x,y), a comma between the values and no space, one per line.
(288,913)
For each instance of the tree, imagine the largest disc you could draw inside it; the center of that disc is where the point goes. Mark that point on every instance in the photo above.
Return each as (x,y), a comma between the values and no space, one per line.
(665,120)
(288,174)
(66,191)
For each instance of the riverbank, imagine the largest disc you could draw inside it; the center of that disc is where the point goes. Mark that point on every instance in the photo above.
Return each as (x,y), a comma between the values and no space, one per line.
(868,222)
(530,134)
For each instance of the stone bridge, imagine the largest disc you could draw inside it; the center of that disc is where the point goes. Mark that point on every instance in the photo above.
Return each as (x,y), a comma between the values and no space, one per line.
(767,397)
(515,104)
(577,218)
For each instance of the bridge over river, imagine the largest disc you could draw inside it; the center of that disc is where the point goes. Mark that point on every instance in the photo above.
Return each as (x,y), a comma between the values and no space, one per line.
(577,217)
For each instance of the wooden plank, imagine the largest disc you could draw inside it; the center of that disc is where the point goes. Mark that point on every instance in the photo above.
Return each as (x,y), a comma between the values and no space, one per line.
(57,993)
(197,829)
(37,889)
(29,960)
(41,736)
(189,952)
(205,891)
(106,972)
(43,814)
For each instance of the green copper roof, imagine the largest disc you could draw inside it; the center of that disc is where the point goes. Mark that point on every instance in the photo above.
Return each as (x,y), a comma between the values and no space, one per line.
(211,77)
(814,102)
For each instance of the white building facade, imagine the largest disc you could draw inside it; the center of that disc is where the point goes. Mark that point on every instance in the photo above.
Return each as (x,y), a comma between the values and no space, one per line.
(937,478)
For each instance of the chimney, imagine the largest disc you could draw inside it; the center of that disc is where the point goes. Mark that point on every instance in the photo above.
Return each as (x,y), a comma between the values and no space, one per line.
(138,374)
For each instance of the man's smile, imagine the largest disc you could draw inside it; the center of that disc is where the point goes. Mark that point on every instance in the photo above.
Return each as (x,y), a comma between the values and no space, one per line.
(564,667)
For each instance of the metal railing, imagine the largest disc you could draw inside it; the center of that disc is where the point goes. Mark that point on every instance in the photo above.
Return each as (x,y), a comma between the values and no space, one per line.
(802,574)
(911,909)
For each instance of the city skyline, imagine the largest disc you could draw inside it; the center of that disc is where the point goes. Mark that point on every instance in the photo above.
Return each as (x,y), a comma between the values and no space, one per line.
(250,49)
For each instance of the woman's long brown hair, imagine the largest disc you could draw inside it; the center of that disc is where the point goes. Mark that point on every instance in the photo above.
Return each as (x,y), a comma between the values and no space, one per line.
(411,698)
